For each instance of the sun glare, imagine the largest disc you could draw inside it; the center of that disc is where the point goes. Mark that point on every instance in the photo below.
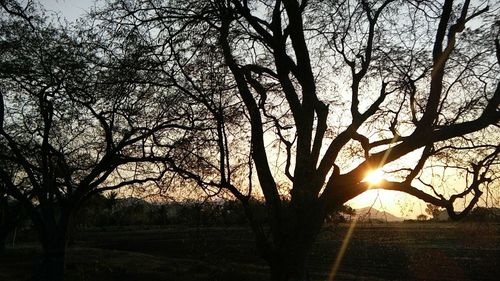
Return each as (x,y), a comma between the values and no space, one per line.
(374,176)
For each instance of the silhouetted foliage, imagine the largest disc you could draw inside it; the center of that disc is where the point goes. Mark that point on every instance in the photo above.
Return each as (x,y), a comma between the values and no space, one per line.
(344,214)
(484,214)
(330,90)
(433,211)
(421,217)
(72,123)
(134,211)
(305,97)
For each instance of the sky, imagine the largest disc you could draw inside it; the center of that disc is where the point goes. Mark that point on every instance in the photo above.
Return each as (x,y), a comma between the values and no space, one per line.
(69,9)
(397,203)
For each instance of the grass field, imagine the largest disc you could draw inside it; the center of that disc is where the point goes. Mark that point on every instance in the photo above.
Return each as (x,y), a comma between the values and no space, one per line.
(419,251)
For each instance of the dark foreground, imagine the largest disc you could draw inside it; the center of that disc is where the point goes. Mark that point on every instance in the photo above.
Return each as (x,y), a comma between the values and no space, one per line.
(420,251)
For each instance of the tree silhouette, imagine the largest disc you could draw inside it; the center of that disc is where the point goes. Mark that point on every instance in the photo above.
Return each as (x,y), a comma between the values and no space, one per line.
(9,212)
(331,90)
(71,123)
(433,211)
(10,216)
(421,217)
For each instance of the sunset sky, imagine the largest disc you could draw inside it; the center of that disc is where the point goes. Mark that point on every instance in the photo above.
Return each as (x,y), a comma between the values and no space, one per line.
(397,203)
(249,140)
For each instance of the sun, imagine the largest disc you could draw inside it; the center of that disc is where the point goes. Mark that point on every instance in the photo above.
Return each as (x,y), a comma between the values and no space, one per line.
(374,176)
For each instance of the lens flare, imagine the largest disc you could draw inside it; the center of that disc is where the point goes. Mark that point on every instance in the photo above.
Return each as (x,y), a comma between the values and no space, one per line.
(341,252)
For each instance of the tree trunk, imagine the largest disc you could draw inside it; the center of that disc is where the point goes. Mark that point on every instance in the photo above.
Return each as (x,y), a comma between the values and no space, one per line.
(289,261)
(5,230)
(52,232)
(52,262)
(3,239)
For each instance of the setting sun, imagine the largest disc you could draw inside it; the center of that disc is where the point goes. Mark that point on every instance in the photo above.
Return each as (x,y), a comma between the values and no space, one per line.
(297,139)
(374,176)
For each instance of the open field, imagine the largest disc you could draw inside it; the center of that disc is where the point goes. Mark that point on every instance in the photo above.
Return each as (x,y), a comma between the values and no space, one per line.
(419,251)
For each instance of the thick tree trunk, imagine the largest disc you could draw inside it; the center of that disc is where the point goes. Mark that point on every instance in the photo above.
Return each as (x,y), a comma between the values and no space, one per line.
(289,261)
(53,236)
(52,262)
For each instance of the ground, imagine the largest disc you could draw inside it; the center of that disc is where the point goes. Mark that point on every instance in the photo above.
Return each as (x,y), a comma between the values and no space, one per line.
(398,251)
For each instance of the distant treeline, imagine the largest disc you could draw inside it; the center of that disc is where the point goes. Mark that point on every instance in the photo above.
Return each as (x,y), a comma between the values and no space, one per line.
(102,211)
(484,214)
(108,211)
(478,214)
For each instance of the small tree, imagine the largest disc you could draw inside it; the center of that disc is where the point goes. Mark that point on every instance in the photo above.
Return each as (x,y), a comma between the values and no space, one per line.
(340,215)
(421,217)
(433,210)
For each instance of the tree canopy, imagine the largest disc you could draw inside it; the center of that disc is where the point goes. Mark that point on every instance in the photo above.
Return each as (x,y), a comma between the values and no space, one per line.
(329,91)
(294,101)
(77,118)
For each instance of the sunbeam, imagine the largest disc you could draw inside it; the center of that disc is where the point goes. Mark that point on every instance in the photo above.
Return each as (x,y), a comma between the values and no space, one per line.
(341,252)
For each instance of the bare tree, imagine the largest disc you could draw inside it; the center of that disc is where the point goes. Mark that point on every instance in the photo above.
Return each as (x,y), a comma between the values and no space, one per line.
(72,124)
(332,90)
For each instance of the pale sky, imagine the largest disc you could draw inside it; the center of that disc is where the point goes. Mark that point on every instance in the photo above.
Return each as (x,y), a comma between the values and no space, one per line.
(69,9)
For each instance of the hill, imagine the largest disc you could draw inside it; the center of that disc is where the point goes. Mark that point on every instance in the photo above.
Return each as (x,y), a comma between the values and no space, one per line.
(369,213)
